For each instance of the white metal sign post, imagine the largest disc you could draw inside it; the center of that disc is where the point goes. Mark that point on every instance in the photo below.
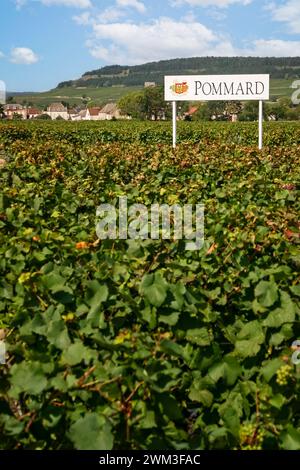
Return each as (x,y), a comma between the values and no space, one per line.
(218,88)
(260,125)
(174,119)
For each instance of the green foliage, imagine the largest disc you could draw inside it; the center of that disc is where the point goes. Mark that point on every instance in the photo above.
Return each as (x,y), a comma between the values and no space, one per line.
(155,105)
(250,111)
(43,117)
(278,68)
(92,432)
(133,105)
(218,110)
(140,344)
(17,117)
(146,104)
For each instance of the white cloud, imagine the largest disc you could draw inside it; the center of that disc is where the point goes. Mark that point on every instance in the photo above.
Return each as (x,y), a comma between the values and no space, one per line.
(110,14)
(163,38)
(289,13)
(20,3)
(66,3)
(1,55)
(69,3)
(83,19)
(273,48)
(128,43)
(138,5)
(210,3)
(23,55)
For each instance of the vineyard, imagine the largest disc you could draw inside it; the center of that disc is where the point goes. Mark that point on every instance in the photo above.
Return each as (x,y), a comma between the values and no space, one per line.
(141,344)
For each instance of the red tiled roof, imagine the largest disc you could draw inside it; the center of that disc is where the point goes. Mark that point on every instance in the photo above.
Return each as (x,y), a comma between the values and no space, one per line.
(94,111)
(33,111)
(192,110)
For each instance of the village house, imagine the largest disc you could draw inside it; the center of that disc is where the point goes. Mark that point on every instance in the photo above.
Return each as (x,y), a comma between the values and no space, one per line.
(109,112)
(149,85)
(57,110)
(74,115)
(33,113)
(233,118)
(92,114)
(10,110)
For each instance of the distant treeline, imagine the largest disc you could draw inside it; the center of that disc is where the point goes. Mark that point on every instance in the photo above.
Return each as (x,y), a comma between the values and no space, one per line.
(116,75)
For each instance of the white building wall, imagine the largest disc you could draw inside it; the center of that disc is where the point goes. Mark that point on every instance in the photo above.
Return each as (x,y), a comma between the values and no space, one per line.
(54,115)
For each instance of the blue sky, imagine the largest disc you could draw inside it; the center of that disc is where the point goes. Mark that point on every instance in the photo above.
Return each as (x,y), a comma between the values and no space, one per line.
(43,42)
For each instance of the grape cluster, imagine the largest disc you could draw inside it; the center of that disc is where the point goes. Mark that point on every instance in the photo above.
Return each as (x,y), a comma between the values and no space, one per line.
(251,438)
(283,374)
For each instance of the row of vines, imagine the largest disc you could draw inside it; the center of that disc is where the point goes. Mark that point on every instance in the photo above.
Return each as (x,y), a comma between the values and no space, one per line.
(140,344)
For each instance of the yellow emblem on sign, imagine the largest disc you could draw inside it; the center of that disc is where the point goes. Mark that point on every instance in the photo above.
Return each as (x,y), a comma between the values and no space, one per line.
(180,88)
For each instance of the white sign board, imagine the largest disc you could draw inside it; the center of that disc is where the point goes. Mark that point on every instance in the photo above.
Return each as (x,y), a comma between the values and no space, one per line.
(217,88)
